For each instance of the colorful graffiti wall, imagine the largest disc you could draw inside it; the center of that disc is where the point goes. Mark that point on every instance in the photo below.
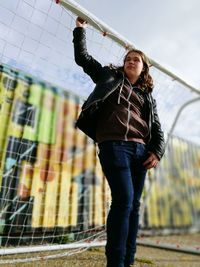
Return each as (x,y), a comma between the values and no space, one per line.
(173,201)
(50,175)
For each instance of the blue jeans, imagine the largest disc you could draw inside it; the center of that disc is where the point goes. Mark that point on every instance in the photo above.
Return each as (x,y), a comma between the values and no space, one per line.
(121,162)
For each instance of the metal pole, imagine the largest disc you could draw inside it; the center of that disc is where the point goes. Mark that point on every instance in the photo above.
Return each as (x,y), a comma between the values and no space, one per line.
(176,247)
(178,115)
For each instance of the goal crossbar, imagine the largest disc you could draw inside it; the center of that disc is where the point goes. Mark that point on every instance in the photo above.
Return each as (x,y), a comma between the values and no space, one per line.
(106,30)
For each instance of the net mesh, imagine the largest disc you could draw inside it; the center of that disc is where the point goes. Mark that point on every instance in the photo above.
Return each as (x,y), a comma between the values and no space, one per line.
(52,188)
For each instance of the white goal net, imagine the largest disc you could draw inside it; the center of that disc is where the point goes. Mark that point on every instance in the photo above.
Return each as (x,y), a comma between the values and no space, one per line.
(53,195)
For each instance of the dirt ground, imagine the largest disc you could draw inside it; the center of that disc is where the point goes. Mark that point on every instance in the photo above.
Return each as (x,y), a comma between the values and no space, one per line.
(145,257)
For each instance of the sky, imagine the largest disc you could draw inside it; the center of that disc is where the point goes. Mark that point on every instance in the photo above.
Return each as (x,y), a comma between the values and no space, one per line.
(36,37)
(167,31)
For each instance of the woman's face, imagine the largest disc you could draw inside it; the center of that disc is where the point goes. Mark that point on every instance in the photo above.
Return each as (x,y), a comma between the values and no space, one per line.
(133,66)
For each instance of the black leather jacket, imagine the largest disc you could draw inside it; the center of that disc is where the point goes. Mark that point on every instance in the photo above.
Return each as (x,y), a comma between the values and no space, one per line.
(107,80)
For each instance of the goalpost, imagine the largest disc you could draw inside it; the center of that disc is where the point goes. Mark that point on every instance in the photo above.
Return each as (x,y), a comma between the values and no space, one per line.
(53,194)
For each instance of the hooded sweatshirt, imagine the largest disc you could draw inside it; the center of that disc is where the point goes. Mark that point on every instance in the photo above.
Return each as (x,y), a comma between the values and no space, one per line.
(122,116)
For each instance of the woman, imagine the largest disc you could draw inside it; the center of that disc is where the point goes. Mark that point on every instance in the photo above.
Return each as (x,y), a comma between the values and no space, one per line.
(121,116)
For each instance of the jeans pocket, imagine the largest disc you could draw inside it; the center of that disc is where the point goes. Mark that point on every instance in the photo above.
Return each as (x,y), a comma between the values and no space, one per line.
(141,151)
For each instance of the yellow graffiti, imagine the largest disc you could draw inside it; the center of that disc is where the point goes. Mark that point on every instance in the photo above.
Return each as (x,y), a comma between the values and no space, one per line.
(57,166)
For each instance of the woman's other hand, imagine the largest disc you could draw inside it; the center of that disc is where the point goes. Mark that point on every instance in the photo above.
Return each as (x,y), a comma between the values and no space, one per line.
(151,161)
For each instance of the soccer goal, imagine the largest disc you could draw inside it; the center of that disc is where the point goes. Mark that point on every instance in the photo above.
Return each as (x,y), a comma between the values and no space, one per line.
(53,195)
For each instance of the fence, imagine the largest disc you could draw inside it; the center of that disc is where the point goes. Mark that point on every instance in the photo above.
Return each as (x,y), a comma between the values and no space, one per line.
(52,186)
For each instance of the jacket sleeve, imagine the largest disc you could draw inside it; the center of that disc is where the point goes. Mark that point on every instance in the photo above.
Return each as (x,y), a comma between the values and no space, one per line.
(157,142)
(90,66)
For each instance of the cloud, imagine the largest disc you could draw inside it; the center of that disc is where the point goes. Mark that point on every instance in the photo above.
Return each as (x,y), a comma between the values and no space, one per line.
(37,38)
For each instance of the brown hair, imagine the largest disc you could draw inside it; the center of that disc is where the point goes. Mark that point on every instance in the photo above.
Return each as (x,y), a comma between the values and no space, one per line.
(145,80)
